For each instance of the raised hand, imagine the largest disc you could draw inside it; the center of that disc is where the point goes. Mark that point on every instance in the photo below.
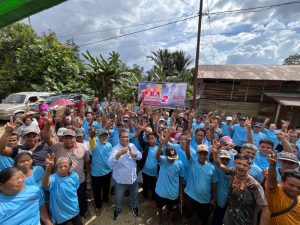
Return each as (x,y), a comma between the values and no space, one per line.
(280,135)
(162,140)
(189,137)
(248,122)
(214,147)
(273,158)
(50,161)
(192,115)
(10,126)
(48,118)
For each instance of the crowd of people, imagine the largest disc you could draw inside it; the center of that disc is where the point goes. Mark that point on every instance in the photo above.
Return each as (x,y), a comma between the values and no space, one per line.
(212,168)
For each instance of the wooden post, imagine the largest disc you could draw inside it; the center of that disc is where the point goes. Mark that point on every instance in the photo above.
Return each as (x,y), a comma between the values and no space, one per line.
(277,112)
(197,56)
(262,93)
(232,87)
(247,91)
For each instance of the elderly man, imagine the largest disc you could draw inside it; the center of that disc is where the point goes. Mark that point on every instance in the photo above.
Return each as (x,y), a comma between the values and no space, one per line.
(283,199)
(80,159)
(122,160)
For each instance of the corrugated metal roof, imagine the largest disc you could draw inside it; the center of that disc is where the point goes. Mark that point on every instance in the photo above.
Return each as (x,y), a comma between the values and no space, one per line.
(287,99)
(249,72)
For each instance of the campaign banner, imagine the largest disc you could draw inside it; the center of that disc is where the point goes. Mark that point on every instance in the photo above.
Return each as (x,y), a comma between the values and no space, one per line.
(164,95)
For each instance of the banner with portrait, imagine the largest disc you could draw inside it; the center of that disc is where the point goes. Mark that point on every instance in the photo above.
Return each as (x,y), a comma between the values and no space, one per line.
(164,95)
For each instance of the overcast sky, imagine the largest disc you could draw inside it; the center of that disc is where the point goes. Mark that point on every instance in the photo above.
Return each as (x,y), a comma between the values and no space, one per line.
(263,37)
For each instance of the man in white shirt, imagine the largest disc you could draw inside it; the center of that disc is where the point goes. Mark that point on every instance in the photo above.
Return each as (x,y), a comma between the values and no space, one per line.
(122,160)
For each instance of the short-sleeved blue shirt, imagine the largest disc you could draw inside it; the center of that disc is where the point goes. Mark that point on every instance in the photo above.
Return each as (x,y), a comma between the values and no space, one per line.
(167,185)
(239,135)
(151,165)
(63,197)
(200,179)
(22,208)
(100,156)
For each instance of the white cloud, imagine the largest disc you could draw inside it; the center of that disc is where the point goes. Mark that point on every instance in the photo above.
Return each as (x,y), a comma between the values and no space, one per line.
(264,37)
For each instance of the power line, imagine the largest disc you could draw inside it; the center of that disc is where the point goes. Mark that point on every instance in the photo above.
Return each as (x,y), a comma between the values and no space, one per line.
(118,28)
(139,31)
(254,8)
(189,5)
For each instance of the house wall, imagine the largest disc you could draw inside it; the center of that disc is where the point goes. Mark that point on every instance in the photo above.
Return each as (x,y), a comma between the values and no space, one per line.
(246,97)
(252,109)
(244,90)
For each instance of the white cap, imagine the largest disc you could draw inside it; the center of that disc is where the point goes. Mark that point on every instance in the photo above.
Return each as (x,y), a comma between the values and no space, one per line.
(229,118)
(61,131)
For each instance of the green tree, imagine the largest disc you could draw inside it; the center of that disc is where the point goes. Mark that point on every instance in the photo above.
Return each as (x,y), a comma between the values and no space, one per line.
(29,62)
(181,61)
(292,60)
(163,58)
(103,76)
(50,66)
(12,38)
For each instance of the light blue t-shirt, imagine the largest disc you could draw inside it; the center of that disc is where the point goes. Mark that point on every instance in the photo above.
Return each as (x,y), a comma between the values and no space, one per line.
(5,162)
(104,104)
(113,137)
(100,156)
(135,141)
(151,165)
(36,176)
(167,185)
(232,154)
(239,135)
(223,187)
(86,126)
(225,130)
(63,197)
(261,161)
(200,179)
(136,108)
(257,137)
(256,173)
(22,208)
(183,159)
(196,126)
(271,135)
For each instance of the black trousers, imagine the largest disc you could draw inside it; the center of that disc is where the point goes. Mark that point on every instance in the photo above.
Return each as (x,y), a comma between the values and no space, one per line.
(75,221)
(101,187)
(82,198)
(149,181)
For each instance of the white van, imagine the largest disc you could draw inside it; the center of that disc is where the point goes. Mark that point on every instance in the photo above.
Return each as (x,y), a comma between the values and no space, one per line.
(15,104)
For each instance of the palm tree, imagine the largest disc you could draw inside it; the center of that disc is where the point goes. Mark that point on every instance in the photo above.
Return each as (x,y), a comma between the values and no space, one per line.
(163,58)
(104,75)
(180,61)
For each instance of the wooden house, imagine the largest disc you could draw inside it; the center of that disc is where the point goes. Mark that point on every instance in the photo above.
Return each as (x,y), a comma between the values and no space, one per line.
(252,90)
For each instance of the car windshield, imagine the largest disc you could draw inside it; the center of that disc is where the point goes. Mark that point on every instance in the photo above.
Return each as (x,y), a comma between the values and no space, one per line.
(57,97)
(14,98)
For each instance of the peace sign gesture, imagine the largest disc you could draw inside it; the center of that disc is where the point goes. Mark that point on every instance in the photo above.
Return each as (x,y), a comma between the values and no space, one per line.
(11,125)
(214,147)
(50,161)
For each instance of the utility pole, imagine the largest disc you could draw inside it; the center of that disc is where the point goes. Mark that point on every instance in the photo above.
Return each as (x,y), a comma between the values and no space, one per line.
(197,55)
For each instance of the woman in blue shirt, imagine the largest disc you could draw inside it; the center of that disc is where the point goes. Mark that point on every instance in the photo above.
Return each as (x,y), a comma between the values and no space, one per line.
(19,204)
(63,187)
(33,176)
